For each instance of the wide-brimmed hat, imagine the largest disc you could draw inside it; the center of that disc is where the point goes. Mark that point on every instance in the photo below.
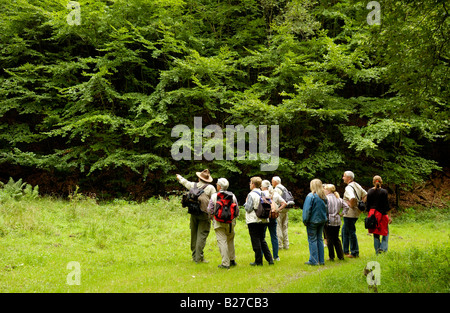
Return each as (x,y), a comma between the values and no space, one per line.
(205,175)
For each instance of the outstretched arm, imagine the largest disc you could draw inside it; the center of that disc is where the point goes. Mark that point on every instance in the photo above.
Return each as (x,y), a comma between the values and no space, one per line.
(185,182)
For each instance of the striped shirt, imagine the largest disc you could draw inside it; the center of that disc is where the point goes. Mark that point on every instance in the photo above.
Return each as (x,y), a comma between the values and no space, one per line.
(334,206)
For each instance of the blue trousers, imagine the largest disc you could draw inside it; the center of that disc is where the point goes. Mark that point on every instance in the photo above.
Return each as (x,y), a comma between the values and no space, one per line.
(315,242)
(273,236)
(349,239)
(380,246)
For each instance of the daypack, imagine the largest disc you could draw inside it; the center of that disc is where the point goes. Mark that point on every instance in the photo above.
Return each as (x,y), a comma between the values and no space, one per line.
(193,201)
(264,206)
(225,210)
(371,222)
(287,196)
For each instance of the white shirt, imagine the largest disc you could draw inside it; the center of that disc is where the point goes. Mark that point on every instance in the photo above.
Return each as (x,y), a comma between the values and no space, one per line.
(250,208)
(350,194)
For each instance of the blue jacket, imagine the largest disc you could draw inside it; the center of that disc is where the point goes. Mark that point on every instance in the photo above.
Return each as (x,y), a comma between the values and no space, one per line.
(315,210)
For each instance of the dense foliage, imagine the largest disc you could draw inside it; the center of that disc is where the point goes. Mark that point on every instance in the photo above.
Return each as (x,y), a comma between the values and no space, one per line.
(94,104)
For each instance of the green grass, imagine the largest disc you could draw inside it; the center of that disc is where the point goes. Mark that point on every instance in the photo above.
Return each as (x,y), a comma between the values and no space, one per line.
(130,247)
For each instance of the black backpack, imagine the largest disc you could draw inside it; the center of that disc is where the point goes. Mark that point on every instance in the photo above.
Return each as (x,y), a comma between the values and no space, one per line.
(191,200)
(371,222)
(264,206)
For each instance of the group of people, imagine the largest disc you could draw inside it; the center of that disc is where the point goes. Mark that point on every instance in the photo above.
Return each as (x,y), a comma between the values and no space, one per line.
(322,212)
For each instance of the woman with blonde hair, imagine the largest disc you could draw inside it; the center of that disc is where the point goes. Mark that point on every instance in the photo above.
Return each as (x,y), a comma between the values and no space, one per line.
(335,204)
(378,205)
(314,218)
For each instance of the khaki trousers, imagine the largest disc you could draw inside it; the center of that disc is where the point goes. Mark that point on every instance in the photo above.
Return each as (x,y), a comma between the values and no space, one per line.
(225,240)
(282,230)
(200,226)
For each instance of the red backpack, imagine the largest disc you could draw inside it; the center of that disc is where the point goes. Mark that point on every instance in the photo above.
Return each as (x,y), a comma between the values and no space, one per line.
(226,210)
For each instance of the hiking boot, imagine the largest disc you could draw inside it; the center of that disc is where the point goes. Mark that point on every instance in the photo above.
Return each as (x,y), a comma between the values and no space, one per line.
(255,264)
(202,261)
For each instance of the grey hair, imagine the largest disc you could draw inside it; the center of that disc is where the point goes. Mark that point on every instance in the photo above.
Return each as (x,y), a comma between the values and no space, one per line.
(277,179)
(265,184)
(223,182)
(349,174)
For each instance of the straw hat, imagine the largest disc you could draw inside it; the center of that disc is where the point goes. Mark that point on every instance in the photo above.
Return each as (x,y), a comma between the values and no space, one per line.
(205,176)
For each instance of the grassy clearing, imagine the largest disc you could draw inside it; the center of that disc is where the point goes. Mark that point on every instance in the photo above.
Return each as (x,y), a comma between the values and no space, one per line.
(129,247)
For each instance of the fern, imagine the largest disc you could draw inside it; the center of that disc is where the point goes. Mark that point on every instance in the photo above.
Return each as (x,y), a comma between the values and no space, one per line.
(18,190)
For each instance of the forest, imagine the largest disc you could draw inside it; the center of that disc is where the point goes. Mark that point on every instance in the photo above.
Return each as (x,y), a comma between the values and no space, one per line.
(90,91)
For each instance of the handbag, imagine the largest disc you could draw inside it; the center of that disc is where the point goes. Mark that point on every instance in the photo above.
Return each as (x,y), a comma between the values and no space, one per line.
(273,211)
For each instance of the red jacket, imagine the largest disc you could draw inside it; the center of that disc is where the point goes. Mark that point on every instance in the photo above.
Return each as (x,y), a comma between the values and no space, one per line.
(383,222)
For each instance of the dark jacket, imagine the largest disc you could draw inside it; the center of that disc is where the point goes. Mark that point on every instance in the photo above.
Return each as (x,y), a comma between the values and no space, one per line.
(378,199)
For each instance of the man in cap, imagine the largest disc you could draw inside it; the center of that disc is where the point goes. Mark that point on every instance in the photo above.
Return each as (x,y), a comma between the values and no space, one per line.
(200,224)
